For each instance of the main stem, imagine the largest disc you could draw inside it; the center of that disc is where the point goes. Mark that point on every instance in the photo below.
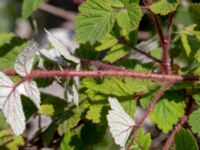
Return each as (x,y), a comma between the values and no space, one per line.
(108,73)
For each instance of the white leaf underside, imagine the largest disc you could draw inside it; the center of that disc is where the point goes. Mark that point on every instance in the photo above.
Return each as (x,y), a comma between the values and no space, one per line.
(60,48)
(10,103)
(25,59)
(52,55)
(32,92)
(72,92)
(120,122)
(13,112)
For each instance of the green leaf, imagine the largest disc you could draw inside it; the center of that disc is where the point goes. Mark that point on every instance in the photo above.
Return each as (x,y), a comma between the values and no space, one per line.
(194,121)
(110,86)
(107,42)
(143,141)
(147,98)
(196,96)
(72,141)
(48,134)
(95,20)
(164,7)
(129,17)
(116,52)
(9,141)
(194,9)
(139,85)
(186,45)
(184,140)
(29,107)
(29,6)
(5,38)
(92,133)
(52,105)
(68,120)
(168,110)
(129,105)
(95,113)
(9,50)
(86,51)
(118,86)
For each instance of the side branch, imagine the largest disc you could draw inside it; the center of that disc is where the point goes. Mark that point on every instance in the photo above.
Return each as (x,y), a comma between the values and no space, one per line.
(183,120)
(149,109)
(179,126)
(146,54)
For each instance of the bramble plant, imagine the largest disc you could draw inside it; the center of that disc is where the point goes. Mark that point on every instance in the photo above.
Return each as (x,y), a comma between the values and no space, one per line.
(106,79)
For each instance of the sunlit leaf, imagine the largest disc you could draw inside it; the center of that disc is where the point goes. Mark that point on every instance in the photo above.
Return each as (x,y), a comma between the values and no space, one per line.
(167,111)
(116,52)
(194,121)
(97,17)
(143,141)
(95,113)
(164,7)
(129,17)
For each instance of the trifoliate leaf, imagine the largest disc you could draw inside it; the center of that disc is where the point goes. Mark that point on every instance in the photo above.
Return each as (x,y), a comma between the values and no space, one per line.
(29,7)
(164,7)
(97,17)
(143,141)
(61,49)
(24,61)
(194,121)
(184,140)
(167,111)
(10,103)
(116,52)
(120,122)
(129,17)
